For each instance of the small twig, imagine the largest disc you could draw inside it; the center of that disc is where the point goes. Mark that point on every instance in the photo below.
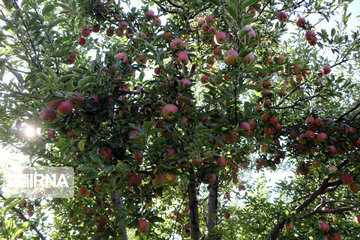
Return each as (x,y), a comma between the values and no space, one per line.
(262,10)
(355,116)
(292,91)
(27,33)
(16,70)
(137,91)
(19,93)
(164,9)
(51,44)
(344,59)
(296,103)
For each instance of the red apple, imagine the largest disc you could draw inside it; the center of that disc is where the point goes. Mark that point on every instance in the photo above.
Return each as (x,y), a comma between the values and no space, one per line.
(273,120)
(354,188)
(132,134)
(142,225)
(332,149)
(227,215)
(324,227)
(77,101)
(182,57)
(102,220)
(282,17)
(85,32)
(124,25)
(248,58)
(336,237)
(137,156)
(141,60)
(159,180)
(82,41)
(211,178)
(318,122)
(281,59)
(122,57)
(48,115)
(326,69)
(357,219)
(177,44)
(221,162)
(210,19)
(95,28)
(252,33)
(106,153)
(309,121)
(149,14)
(321,137)
(301,22)
(50,133)
(169,112)
(82,191)
(204,79)
(230,57)
(245,126)
(133,179)
(65,107)
(220,38)
(310,35)
(109,32)
(347,179)
(53,104)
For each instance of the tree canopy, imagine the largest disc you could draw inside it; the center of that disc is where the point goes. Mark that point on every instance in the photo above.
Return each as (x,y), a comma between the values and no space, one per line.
(167,111)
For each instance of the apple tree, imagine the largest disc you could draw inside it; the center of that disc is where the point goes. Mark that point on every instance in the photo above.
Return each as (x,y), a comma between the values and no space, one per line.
(169,109)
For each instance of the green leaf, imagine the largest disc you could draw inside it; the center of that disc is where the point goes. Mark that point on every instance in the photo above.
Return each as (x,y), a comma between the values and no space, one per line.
(232,9)
(85,81)
(21,229)
(155,219)
(248,3)
(81,145)
(10,203)
(51,73)
(47,9)
(2,62)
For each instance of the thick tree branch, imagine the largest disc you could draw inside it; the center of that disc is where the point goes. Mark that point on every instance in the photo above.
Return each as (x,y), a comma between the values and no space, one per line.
(193,207)
(118,205)
(212,211)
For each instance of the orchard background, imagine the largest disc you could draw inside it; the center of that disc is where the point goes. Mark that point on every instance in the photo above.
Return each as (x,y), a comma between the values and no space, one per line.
(168,111)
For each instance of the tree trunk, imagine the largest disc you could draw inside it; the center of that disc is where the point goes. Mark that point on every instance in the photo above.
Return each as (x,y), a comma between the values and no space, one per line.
(212,211)
(193,207)
(118,205)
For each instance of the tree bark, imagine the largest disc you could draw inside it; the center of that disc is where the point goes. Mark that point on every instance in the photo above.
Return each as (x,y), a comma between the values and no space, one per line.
(193,207)
(212,211)
(118,205)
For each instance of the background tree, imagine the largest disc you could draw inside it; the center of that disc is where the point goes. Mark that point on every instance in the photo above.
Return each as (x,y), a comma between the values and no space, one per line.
(162,109)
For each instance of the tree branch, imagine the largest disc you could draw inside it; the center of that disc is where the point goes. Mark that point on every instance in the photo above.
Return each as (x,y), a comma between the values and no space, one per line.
(118,205)
(22,217)
(349,111)
(320,190)
(164,9)
(174,4)
(193,207)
